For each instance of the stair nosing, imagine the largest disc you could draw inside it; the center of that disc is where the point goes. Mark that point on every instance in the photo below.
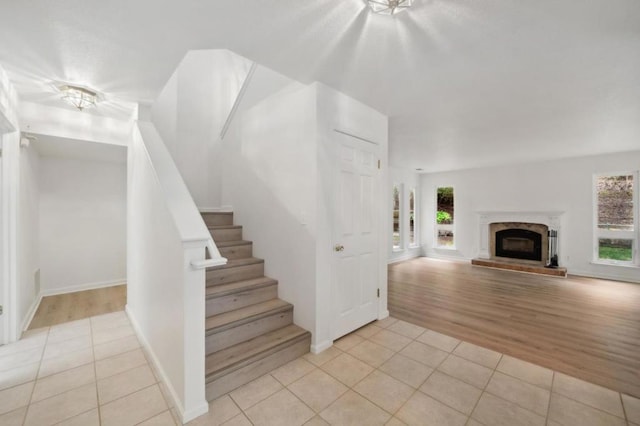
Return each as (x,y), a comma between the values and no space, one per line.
(283,307)
(235,263)
(298,334)
(233,243)
(253,284)
(218,227)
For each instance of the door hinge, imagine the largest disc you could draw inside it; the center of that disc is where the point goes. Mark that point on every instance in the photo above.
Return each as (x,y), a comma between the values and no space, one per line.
(1,309)
(378,292)
(378,163)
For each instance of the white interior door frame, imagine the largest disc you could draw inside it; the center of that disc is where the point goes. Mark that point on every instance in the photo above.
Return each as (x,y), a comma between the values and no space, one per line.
(351,250)
(10,144)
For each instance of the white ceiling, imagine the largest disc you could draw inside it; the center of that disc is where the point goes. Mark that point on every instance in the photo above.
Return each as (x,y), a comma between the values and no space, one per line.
(467,83)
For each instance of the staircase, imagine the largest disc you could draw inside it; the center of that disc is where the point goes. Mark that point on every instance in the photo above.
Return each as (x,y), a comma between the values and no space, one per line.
(249,331)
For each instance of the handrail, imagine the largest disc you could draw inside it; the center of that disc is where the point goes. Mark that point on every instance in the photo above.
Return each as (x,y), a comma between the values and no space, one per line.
(187,218)
(214,261)
(236,103)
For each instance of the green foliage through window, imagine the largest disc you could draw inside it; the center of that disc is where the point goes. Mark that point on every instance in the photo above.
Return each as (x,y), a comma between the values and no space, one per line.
(443,218)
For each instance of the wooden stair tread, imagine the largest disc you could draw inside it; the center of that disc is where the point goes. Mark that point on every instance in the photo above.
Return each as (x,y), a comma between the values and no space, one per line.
(233,243)
(216,227)
(224,289)
(232,263)
(219,322)
(243,353)
(215,213)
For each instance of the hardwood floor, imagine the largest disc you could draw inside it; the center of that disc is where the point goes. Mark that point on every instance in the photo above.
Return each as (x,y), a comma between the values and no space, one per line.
(82,304)
(587,328)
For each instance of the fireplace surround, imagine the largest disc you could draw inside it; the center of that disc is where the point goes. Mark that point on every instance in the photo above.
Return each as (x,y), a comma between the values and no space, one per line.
(552,220)
(539,222)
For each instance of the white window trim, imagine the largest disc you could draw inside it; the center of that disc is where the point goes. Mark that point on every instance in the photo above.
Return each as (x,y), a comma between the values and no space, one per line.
(622,235)
(416,229)
(401,209)
(435,220)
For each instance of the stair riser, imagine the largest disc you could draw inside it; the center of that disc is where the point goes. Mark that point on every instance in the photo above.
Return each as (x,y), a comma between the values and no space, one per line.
(244,375)
(217,219)
(226,234)
(232,336)
(230,302)
(237,252)
(229,275)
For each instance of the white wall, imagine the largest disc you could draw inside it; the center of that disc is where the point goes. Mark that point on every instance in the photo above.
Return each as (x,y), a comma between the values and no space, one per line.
(165,294)
(82,224)
(28,234)
(337,111)
(9,142)
(278,177)
(561,185)
(407,180)
(190,113)
(270,180)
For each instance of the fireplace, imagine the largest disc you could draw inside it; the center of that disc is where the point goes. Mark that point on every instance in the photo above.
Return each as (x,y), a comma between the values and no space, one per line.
(519,244)
(520,241)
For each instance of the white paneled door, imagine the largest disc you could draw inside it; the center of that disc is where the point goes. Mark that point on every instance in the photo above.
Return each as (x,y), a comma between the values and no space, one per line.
(356,190)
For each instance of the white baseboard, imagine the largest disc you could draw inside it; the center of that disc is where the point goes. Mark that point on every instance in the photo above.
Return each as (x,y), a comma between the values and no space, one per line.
(26,322)
(186,416)
(605,276)
(82,287)
(222,209)
(383,315)
(446,254)
(316,349)
(404,257)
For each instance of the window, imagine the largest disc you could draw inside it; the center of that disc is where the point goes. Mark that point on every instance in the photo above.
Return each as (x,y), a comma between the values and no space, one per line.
(444,217)
(397,214)
(412,218)
(616,214)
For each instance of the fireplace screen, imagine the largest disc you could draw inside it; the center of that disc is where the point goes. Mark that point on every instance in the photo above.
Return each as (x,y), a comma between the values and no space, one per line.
(519,244)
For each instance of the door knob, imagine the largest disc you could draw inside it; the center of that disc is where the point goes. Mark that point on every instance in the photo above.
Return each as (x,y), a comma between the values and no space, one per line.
(339,247)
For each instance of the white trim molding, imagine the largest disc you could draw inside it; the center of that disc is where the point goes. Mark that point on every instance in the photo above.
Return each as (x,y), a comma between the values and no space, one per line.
(175,401)
(221,209)
(83,287)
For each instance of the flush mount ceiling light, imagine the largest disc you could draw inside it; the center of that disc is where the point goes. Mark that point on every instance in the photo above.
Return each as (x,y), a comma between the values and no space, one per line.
(79,97)
(389,7)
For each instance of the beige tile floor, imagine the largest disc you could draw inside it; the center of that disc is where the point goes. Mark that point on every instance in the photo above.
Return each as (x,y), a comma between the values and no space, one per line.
(93,372)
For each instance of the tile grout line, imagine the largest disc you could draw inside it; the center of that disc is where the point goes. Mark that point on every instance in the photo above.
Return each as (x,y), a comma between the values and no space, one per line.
(35,381)
(238,407)
(624,410)
(95,371)
(554,372)
(484,389)
(553,377)
(586,404)
(415,390)
(299,399)
(433,370)
(551,392)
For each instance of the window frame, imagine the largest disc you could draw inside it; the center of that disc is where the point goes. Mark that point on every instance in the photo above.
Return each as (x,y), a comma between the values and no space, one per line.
(599,233)
(435,221)
(416,233)
(400,245)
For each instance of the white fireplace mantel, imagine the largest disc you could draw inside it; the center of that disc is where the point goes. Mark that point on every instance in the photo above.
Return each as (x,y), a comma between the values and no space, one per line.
(550,218)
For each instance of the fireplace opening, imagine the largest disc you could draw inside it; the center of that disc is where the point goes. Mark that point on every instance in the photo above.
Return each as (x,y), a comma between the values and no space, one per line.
(519,244)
